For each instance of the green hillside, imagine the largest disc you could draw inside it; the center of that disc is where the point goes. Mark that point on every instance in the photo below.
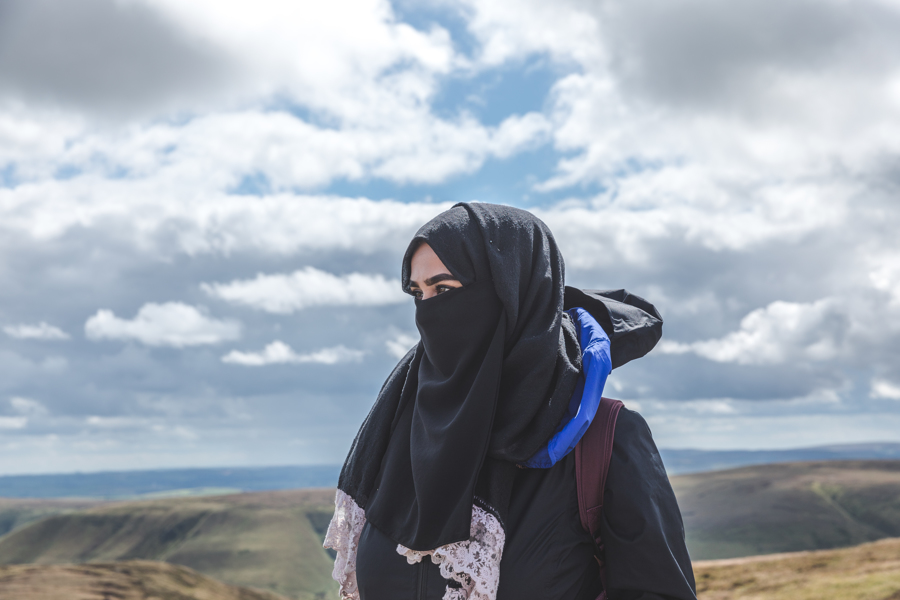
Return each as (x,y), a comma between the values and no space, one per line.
(17,512)
(789,507)
(268,540)
(132,580)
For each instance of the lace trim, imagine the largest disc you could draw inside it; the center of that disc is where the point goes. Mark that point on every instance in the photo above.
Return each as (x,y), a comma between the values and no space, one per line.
(343,536)
(474,563)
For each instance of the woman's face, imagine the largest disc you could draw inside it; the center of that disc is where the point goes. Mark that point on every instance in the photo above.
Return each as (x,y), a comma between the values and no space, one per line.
(428,276)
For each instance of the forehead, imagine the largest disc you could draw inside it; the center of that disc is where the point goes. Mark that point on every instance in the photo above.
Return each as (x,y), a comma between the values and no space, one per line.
(425,263)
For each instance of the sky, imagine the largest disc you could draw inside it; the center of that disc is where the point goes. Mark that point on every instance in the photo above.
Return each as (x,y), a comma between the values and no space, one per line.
(204,204)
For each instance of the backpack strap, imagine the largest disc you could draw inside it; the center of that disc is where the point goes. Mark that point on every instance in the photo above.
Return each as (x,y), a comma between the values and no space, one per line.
(592,456)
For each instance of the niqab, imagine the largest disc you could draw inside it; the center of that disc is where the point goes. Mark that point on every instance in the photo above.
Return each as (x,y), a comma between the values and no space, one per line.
(486,386)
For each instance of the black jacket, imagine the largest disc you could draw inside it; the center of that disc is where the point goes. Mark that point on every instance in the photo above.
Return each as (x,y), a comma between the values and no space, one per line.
(548,556)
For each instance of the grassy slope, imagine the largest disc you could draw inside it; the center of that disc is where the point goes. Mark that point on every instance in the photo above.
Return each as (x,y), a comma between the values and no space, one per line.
(18,512)
(789,507)
(132,580)
(867,572)
(268,540)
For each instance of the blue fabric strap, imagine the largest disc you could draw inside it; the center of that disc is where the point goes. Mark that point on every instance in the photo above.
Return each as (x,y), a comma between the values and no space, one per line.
(596,366)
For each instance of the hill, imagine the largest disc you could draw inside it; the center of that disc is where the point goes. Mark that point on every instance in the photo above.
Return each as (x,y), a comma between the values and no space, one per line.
(789,507)
(267,540)
(866,572)
(132,580)
(129,484)
(16,512)
(685,460)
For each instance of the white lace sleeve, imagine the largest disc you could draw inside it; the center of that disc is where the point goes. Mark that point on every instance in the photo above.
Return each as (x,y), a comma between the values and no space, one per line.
(474,563)
(343,536)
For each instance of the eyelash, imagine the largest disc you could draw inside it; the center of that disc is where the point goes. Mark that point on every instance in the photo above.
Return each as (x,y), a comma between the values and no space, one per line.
(440,290)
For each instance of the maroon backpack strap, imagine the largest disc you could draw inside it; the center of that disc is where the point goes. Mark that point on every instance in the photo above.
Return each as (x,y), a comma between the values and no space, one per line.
(592,456)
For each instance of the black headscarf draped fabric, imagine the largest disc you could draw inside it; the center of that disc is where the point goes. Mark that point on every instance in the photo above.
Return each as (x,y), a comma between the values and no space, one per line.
(516,251)
(484,389)
(488,383)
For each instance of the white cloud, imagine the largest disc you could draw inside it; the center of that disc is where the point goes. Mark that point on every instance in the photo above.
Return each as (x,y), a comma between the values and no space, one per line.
(280,353)
(714,407)
(318,55)
(116,422)
(41,331)
(511,29)
(369,83)
(34,137)
(399,345)
(882,388)
(284,294)
(178,216)
(13,422)
(779,333)
(682,206)
(27,406)
(170,324)
(885,276)
(703,130)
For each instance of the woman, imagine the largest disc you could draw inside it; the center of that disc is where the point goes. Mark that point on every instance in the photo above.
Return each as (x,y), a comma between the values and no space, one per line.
(460,483)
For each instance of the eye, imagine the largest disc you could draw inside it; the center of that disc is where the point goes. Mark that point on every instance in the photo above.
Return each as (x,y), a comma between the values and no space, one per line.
(417,294)
(443,288)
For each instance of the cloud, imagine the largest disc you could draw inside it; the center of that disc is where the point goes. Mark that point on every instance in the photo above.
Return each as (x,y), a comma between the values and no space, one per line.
(882,388)
(509,30)
(731,165)
(697,50)
(886,276)
(102,55)
(169,324)
(116,422)
(41,331)
(27,406)
(13,422)
(280,353)
(724,406)
(400,345)
(361,69)
(158,218)
(779,333)
(728,126)
(307,287)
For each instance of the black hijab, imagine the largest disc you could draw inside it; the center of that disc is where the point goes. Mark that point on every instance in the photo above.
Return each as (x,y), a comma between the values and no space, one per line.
(488,383)
(485,387)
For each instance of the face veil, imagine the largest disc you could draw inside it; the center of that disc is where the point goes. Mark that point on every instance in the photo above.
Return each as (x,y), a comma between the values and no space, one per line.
(440,439)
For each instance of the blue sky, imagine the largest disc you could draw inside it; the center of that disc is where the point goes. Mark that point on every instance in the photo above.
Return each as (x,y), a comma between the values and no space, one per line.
(203,206)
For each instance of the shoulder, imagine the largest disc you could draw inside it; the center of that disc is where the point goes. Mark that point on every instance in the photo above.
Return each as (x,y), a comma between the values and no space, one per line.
(634,451)
(633,432)
(631,423)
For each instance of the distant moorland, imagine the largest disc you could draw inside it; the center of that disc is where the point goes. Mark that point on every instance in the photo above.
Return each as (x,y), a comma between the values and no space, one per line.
(120,485)
(789,507)
(272,540)
(265,540)
(113,485)
(685,460)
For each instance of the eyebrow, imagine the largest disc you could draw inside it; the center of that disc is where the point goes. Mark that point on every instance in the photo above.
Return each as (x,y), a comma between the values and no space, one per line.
(433,280)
